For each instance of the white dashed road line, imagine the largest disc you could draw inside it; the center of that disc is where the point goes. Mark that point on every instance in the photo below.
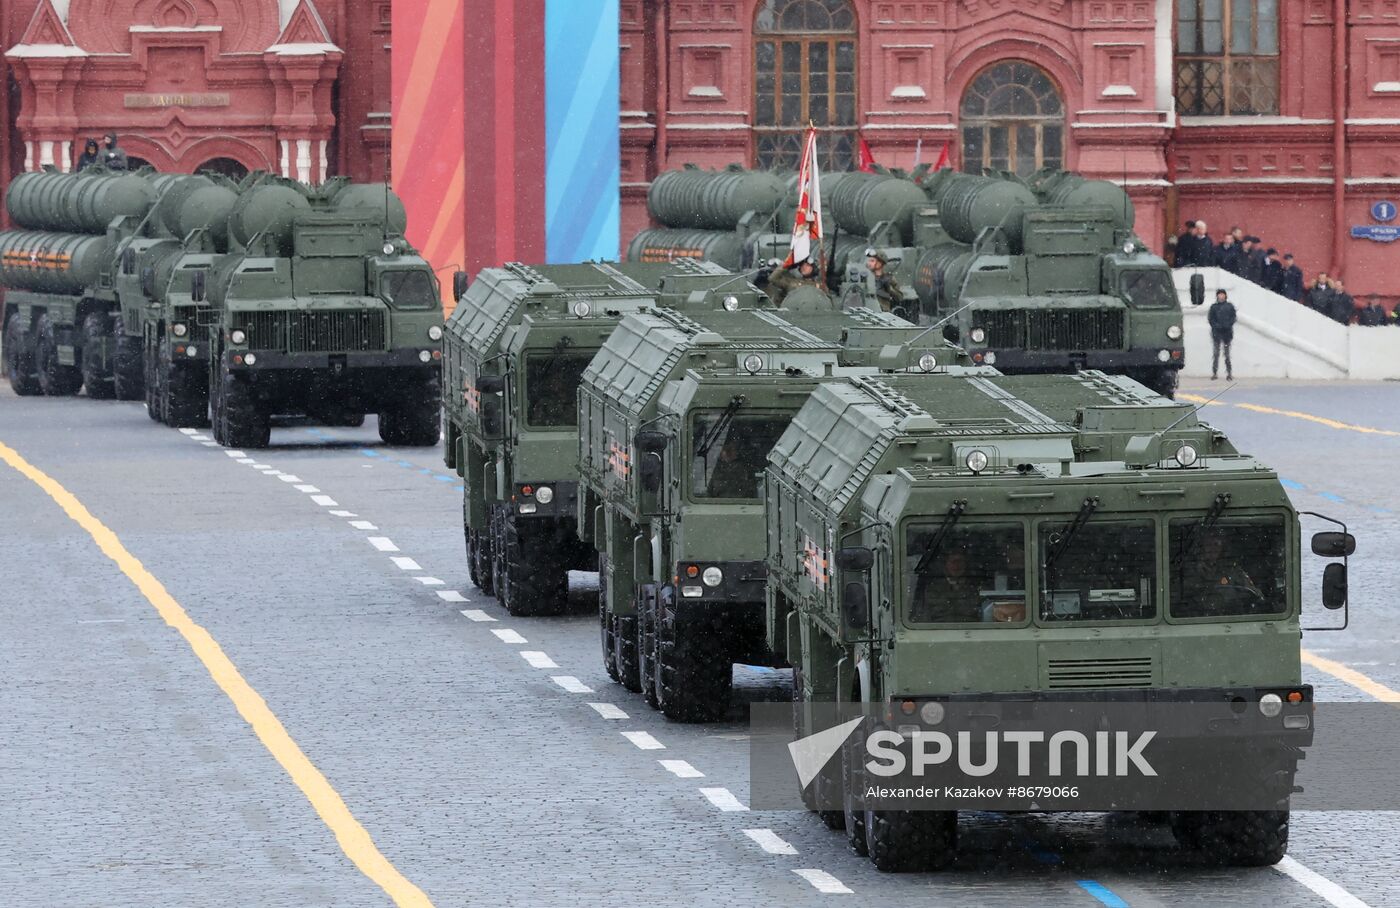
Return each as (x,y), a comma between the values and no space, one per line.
(506,635)
(571,684)
(247,460)
(405,564)
(288,477)
(643,740)
(769,841)
(453,596)
(362,524)
(1334,895)
(723,798)
(681,769)
(324,501)
(538,659)
(610,711)
(429,581)
(383,543)
(475,614)
(308,489)
(824,882)
(210,444)
(236,454)
(349,514)
(189,431)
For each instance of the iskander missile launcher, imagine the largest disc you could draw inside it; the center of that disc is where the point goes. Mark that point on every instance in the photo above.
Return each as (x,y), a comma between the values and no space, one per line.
(515,349)
(1022,540)
(677,413)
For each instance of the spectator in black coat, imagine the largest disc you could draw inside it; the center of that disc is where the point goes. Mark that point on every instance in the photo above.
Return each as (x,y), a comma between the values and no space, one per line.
(1222,318)
(1318,296)
(1186,247)
(1205,247)
(1343,307)
(89,156)
(1252,261)
(1291,284)
(1273,272)
(1227,255)
(1373,314)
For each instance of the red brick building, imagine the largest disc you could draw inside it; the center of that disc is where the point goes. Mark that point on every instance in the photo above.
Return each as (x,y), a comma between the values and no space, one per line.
(298,87)
(1281,116)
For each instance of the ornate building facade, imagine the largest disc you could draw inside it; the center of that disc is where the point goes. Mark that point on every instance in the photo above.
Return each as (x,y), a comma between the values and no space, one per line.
(1280,116)
(297,87)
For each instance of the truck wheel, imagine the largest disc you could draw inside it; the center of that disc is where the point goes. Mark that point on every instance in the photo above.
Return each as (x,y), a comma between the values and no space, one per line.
(605,621)
(625,645)
(1240,838)
(1159,381)
(243,422)
(55,379)
(825,786)
(646,650)
(149,363)
(696,674)
(19,358)
(852,796)
(95,376)
(531,582)
(128,382)
(903,841)
(415,419)
(478,553)
(187,397)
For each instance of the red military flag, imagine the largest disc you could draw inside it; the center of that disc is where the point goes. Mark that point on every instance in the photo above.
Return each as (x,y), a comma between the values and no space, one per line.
(807,226)
(943,159)
(867,157)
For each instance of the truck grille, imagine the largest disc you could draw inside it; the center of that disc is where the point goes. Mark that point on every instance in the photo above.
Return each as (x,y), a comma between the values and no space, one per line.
(316,332)
(1129,671)
(1054,329)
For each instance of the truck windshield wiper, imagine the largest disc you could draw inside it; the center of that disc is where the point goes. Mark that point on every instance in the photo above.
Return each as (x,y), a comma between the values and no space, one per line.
(560,346)
(935,542)
(1061,545)
(716,432)
(1198,532)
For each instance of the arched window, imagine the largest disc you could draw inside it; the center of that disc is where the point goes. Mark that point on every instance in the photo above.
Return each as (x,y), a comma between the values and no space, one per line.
(226,166)
(1012,119)
(136,163)
(805,71)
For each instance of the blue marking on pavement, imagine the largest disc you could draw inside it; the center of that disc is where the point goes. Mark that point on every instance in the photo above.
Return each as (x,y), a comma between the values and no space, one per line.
(1290,484)
(441,478)
(1330,497)
(1101,892)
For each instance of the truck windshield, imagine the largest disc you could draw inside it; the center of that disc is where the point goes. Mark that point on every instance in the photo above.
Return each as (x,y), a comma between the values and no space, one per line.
(1234,567)
(551,387)
(1147,289)
(1103,571)
(408,289)
(958,573)
(729,452)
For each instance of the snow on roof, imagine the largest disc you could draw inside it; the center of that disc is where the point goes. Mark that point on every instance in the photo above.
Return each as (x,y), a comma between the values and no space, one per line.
(45,50)
(302,50)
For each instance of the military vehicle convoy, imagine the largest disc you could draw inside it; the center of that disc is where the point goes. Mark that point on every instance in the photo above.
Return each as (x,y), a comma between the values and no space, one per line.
(962,557)
(278,298)
(1038,275)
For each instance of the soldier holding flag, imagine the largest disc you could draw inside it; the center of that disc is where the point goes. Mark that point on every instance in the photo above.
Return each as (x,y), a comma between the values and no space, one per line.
(805,264)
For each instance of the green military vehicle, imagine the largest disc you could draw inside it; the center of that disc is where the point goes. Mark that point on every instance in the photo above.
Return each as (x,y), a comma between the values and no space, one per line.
(677,413)
(1020,539)
(517,344)
(322,309)
(63,319)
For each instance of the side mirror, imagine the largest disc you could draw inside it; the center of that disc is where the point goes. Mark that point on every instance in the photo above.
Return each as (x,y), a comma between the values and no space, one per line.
(1333,545)
(855,558)
(459,285)
(490,384)
(651,471)
(651,442)
(1198,289)
(148,282)
(1334,585)
(128,261)
(197,285)
(855,606)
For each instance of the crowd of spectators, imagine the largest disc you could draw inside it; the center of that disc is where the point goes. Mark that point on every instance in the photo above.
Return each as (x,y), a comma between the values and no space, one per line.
(1248,257)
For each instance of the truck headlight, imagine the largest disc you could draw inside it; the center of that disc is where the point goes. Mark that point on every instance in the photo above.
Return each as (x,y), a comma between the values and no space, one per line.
(990,358)
(976,461)
(528,507)
(731,302)
(581,309)
(544,494)
(251,359)
(435,333)
(978,335)
(927,362)
(713,576)
(1164,356)
(692,592)
(1186,455)
(179,329)
(238,336)
(424,356)
(931,712)
(1270,705)
(191,350)
(753,362)
(1174,332)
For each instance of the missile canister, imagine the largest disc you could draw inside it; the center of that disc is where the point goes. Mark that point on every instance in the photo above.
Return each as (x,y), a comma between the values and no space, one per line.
(1071,189)
(77,202)
(376,199)
(270,209)
(940,273)
(190,202)
(968,204)
(859,201)
(64,263)
(712,199)
(659,244)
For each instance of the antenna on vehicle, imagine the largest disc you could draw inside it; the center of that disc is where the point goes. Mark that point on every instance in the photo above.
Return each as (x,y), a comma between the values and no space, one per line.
(1198,408)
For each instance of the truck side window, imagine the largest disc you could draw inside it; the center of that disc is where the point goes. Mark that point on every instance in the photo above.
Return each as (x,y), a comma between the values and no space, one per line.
(408,289)
(1144,289)
(1230,569)
(965,573)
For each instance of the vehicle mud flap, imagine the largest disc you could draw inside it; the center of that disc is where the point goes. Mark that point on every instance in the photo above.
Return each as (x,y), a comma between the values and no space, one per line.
(19,357)
(825,789)
(97,371)
(607,624)
(646,642)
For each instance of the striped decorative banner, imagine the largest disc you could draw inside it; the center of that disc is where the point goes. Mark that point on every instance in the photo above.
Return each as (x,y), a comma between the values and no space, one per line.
(505,141)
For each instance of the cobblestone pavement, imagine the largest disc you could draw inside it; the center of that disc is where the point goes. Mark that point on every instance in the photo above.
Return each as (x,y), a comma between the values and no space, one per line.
(130,779)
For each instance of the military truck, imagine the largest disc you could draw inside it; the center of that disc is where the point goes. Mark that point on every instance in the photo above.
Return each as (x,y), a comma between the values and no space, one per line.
(321,308)
(63,320)
(517,344)
(677,413)
(1019,539)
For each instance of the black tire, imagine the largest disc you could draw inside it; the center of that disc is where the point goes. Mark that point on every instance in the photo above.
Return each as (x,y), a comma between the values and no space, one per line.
(19,358)
(1238,838)
(479,558)
(1160,381)
(415,419)
(852,794)
(150,362)
(55,379)
(647,675)
(128,367)
(905,841)
(607,628)
(530,581)
(97,378)
(243,422)
(625,645)
(695,672)
(186,388)
(825,787)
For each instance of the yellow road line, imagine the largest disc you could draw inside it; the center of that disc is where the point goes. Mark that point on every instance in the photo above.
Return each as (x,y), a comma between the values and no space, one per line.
(354,839)
(1353,677)
(1296,414)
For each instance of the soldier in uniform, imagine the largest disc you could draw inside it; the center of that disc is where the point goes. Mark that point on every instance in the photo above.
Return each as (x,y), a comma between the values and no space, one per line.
(785,280)
(880,285)
(732,476)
